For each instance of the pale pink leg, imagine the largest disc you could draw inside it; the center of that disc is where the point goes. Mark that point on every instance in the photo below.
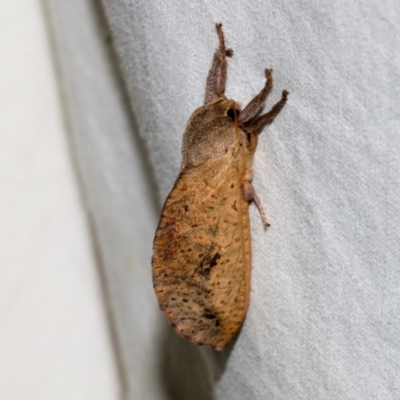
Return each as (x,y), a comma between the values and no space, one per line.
(250,195)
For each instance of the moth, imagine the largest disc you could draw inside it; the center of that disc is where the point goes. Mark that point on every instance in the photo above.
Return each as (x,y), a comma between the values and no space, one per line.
(202,249)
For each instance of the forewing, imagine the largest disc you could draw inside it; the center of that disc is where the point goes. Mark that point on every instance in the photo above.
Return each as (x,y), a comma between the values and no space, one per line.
(201,263)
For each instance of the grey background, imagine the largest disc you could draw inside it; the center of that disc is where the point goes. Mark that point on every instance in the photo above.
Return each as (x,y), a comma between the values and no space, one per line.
(323,320)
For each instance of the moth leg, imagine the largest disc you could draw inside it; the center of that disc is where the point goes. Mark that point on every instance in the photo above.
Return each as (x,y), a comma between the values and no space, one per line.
(216,78)
(250,195)
(255,105)
(262,120)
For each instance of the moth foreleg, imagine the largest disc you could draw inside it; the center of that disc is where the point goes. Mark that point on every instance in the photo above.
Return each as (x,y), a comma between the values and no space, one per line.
(255,105)
(257,124)
(216,79)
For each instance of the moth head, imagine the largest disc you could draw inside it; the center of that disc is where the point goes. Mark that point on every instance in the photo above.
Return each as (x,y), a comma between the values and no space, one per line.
(222,111)
(210,131)
(231,112)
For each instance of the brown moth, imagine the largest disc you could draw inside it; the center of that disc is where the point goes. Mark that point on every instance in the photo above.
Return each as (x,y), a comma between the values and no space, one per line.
(202,249)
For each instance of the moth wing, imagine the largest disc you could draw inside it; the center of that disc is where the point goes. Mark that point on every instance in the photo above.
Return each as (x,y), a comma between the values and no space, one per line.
(201,263)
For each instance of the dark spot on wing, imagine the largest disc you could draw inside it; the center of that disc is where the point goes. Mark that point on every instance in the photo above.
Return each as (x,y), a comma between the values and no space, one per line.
(214,260)
(207,264)
(211,315)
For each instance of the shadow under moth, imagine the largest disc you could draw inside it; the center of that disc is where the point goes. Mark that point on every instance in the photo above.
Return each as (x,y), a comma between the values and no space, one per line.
(202,249)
